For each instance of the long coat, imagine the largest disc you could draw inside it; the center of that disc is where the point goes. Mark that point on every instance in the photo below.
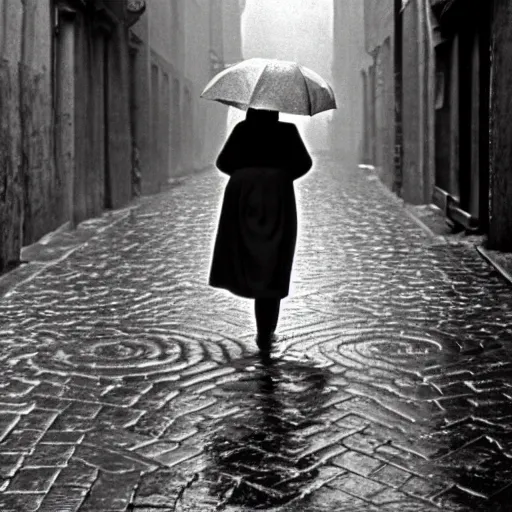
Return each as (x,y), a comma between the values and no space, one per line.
(256,236)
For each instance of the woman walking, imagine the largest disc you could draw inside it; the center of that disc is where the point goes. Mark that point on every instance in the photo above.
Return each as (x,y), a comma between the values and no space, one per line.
(256,237)
(255,245)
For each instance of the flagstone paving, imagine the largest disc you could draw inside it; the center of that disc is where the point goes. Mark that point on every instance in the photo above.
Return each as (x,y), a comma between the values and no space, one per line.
(129,384)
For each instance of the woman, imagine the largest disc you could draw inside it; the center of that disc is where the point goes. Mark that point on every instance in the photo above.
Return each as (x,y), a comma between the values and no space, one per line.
(255,245)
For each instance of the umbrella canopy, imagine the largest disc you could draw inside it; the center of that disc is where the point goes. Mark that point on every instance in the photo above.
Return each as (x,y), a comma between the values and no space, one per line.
(271,84)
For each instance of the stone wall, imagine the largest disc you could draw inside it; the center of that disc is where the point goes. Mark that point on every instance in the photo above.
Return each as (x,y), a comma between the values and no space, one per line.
(30,185)
(500,230)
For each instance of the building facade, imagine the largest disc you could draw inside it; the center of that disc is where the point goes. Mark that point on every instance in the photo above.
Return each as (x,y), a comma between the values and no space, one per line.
(453,99)
(21,148)
(417,101)
(101,103)
(500,211)
(399,89)
(378,84)
(157,81)
(209,50)
(348,81)
(65,135)
(462,60)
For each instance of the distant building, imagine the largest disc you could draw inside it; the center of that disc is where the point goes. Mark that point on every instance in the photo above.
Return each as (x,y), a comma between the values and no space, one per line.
(157,78)
(185,43)
(349,65)
(378,80)
(232,11)
(213,40)
(179,46)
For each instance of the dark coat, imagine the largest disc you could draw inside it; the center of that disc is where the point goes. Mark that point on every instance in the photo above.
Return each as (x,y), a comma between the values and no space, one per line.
(256,236)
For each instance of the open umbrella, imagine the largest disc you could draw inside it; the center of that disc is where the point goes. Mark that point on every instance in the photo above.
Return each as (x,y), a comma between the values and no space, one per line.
(271,84)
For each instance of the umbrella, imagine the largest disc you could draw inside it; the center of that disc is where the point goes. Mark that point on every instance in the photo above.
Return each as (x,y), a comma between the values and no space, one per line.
(271,84)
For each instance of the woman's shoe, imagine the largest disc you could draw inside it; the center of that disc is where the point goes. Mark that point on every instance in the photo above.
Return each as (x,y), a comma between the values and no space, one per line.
(264,342)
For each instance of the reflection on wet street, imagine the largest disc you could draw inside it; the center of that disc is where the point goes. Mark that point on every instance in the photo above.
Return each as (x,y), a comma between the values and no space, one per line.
(266,444)
(129,384)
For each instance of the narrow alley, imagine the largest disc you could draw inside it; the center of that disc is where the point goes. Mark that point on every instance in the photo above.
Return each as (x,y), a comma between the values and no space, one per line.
(128,384)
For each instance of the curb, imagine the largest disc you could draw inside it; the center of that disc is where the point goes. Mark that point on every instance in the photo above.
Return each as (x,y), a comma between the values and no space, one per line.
(176,181)
(26,272)
(423,226)
(491,261)
(372,175)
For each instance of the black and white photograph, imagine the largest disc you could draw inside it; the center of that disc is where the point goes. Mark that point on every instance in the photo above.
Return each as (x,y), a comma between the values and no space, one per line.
(255,255)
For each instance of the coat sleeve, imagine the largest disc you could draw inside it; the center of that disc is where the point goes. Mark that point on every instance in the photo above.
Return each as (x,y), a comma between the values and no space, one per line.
(300,161)
(230,157)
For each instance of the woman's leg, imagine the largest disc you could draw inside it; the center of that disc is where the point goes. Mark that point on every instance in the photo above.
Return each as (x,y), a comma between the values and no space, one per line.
(267,315)
(274,308)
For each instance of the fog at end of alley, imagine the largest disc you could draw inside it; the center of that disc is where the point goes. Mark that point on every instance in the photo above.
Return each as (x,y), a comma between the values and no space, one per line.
(129,384)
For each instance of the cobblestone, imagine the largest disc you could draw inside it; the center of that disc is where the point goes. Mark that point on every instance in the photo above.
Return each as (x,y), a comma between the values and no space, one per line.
(129,384)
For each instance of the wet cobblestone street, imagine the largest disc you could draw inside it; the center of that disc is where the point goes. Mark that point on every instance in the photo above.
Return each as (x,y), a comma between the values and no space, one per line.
(129,384)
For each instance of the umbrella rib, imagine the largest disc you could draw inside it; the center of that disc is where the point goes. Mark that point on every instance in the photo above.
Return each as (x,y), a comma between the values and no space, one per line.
(310,106)
(256,85)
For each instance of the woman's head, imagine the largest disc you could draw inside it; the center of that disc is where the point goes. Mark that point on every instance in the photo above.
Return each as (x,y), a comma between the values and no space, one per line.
(263,116)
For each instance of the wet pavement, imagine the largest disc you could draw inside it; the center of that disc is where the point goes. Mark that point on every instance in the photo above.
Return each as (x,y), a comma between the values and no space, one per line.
(129,384)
